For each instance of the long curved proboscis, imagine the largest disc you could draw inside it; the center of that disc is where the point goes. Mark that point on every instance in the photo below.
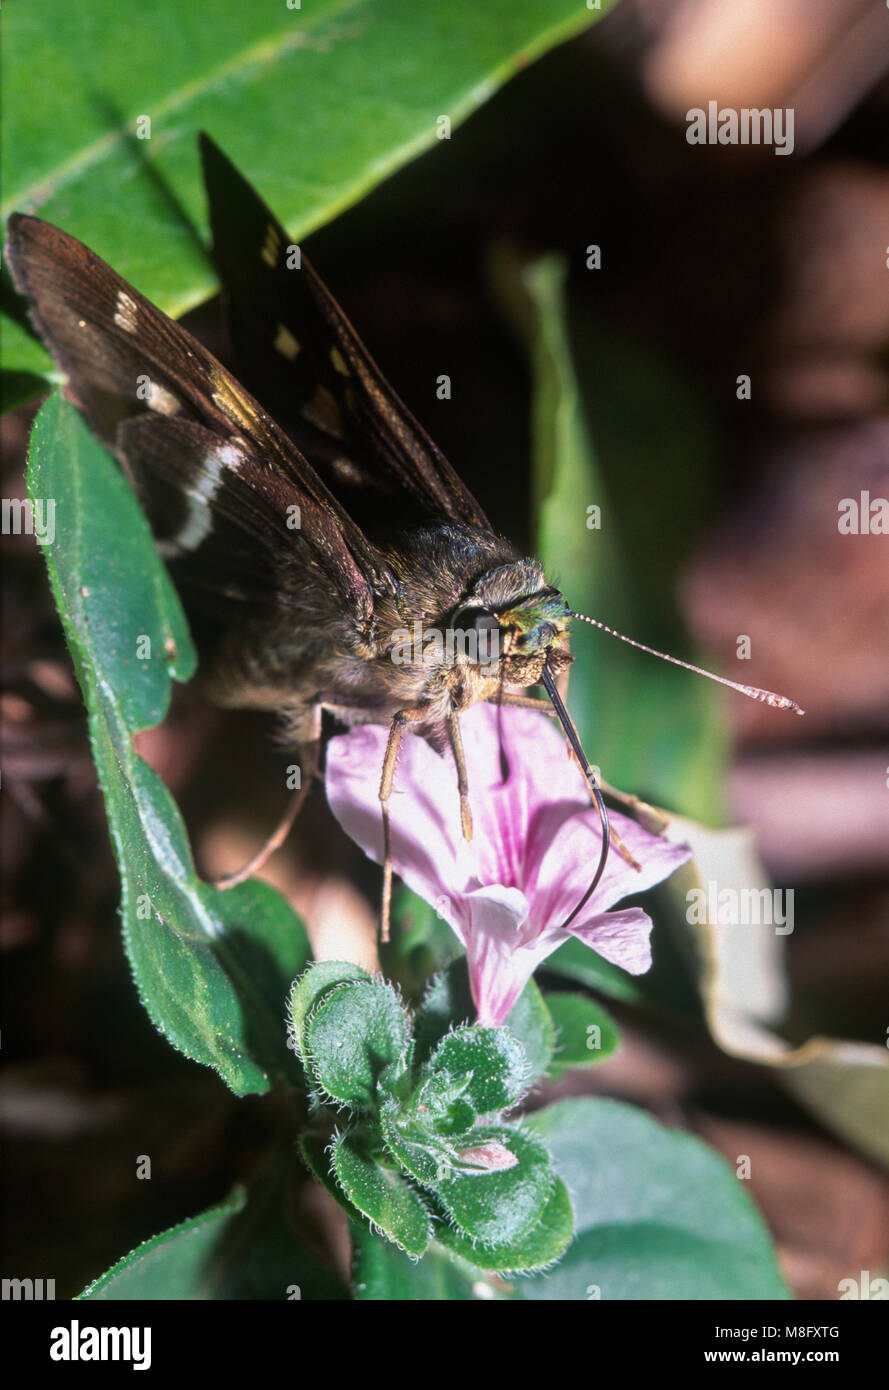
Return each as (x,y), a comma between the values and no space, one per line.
(573,738)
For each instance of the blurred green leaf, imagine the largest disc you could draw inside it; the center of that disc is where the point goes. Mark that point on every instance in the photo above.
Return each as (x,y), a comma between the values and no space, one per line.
(315,104)
(585,1033)
(658,1215)
(240,1250)
(615,430)
(213,968)
(577,962)
(176,1264)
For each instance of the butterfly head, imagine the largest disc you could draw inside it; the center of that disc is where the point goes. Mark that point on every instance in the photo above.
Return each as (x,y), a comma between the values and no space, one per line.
(525,620)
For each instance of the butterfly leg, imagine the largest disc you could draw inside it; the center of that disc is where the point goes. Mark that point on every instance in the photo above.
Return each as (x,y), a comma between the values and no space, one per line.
(399,723)
(522,702)
(282,830)
(456,741)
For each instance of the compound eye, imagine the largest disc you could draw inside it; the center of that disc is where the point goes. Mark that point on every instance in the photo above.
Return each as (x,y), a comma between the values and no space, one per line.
(475,619)
(486,622)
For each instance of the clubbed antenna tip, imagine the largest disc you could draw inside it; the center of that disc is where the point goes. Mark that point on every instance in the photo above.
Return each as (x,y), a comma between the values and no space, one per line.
(753,692)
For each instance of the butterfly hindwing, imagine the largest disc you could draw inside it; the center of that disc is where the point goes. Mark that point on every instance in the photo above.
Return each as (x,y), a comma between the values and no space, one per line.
(304,356)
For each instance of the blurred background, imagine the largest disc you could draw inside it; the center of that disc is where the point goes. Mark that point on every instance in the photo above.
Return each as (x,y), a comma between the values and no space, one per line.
(719,521)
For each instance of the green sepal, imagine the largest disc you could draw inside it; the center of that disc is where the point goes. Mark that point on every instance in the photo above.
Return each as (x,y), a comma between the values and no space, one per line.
(307,991)
(541,1246)
(498,1206)
(353,1034)
(448,1004)
(441,1104)
(486,1066)
(419,1160)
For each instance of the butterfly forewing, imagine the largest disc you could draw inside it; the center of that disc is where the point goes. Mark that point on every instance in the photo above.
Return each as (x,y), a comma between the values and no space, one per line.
(125,359)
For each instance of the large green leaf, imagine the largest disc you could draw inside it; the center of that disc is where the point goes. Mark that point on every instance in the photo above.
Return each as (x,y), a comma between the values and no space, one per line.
(176,1264)
(317,104)
(213,968)
(236,1251)
(658,1215)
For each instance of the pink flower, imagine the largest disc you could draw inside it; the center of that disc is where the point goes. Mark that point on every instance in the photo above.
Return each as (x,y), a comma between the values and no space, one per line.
(535,847)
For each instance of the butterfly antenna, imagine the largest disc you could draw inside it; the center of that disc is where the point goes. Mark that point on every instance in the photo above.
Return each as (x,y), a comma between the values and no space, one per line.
(574,739)
(753,692)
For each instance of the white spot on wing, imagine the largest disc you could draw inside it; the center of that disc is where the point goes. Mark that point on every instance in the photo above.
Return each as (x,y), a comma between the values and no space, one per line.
(125,313)
(162,400)
(199,495)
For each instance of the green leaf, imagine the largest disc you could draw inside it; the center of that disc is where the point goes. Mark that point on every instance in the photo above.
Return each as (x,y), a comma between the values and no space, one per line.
(315,1150)
(422,943)
(658,1214)
(310,988)
(212,968)
(384,1274)
(585,1033)
(544,1243)
(489,1065)
(381,1195)
(351,1036)
(316,104)
(498,1206)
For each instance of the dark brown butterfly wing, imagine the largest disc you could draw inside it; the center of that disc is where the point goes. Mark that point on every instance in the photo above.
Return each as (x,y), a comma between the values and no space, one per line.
(133,370)
(304,357)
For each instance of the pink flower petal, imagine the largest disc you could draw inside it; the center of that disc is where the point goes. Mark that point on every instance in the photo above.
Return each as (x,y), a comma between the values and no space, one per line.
(564,853)
(535,848)
(621,937)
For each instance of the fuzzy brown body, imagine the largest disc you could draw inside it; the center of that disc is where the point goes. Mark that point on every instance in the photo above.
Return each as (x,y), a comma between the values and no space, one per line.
(320,656)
